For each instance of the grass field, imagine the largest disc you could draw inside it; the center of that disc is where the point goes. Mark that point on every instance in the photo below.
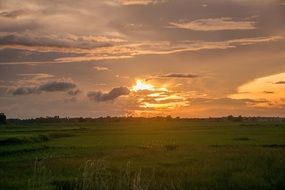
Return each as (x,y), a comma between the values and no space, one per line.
(143,154)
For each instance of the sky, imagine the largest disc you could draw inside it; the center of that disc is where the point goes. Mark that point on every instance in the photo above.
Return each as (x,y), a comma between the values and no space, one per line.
(186,58)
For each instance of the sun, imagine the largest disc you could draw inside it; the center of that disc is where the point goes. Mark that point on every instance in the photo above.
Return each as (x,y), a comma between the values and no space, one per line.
(140,85)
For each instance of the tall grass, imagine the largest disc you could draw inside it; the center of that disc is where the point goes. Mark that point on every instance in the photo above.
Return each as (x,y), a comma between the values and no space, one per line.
(99,175)
(40,178)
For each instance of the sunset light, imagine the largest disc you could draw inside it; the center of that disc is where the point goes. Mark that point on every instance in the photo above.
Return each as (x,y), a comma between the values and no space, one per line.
(184,57)
(139,86)
(268,91)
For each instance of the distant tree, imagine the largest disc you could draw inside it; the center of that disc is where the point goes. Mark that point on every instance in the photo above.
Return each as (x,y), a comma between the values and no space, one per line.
(168,117)
(230,117)
(239,118)
(3,118)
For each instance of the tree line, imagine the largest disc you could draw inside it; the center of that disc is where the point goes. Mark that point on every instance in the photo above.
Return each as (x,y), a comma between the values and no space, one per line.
(57,119)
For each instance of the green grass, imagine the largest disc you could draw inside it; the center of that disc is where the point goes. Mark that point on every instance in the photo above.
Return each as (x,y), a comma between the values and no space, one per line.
(143,155)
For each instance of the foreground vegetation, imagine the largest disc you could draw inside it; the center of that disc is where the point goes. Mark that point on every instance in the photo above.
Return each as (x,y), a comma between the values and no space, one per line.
(141,154)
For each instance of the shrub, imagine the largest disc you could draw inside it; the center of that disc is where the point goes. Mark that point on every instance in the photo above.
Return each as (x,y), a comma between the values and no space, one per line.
(3,119)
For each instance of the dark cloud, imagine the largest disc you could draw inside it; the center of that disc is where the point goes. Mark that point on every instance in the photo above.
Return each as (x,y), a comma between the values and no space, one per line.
(112,95)
(54,86)
(91,48)
(280,82)
(178,75)
(65,41)
(25,91)
(268,92)
(151,100)
(173,75)
(72,95)
(74,92)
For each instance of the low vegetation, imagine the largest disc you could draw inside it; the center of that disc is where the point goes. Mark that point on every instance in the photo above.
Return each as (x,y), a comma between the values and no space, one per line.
(143,154)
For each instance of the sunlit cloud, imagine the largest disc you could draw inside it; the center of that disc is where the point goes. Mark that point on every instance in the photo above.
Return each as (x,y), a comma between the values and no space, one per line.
(37,76)
(95,39)
(156,97)
(264,88)
(215,24)
(140,86)
(98,68)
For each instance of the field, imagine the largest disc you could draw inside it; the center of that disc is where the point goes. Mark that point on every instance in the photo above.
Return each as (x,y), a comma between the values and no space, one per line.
(143,154)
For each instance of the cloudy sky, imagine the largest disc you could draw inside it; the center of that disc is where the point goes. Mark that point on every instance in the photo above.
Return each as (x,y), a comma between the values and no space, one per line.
(188,58)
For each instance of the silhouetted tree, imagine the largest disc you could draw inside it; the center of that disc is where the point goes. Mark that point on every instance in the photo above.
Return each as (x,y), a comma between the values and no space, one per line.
(3,118)
(230,118)
(239,118)
(168,118)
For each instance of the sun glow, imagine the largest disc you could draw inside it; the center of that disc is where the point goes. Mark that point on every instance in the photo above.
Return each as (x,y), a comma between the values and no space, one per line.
(270,89)
(139,86)
(151,97)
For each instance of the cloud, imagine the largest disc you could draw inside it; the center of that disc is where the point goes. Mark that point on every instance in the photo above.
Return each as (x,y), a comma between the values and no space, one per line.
(256,40)
(54,86)
(280,82)
(149,97)
(93,38)
(85,49)
(74,92)
(137,2)
(173,75)
(257,88)
(25,90)
(72,95)
(112,95)
(37,76)
(230,102)
(215,24)
(178,75)
(99,68)
(55,42)
(130,50)
(268,92)
(34,79)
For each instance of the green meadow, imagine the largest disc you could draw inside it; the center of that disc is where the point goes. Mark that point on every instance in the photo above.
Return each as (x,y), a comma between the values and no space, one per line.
(143,155)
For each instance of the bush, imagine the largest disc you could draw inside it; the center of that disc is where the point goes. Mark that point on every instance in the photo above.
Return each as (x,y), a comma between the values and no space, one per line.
(3,119)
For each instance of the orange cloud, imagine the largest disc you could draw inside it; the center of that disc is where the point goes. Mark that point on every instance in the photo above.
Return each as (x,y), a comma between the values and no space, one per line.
(265,88)
(214,24)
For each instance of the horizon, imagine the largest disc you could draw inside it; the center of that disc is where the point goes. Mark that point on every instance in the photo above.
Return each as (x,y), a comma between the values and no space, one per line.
(142,117)
(145,58)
